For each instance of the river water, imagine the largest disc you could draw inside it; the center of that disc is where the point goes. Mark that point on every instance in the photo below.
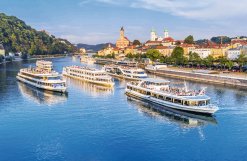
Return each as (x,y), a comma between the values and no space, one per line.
(94,123)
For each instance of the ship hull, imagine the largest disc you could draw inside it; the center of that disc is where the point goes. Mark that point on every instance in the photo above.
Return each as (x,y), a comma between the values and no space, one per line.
(90,81)
(148,99)
(60,90)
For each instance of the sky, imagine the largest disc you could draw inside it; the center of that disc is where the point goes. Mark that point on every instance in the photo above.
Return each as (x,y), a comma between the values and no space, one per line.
(99,21)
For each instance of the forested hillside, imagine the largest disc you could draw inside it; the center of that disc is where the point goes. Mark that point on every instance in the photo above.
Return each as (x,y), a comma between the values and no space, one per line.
(16,36)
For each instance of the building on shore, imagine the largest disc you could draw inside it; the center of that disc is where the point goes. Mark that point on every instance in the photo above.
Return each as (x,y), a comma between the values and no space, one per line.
(123,41)
(187,48)
(165,50)
(233,54)
(109,50)
(82,51)
(156,40)
(202,52)
(2,50)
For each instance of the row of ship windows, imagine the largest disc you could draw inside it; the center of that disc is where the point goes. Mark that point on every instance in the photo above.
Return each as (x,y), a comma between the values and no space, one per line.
(126,71)
(89,78)
(133,76)
(46,84)
(169,99)
(80,72)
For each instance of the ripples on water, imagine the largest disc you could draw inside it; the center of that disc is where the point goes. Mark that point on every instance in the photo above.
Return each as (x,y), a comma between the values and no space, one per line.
(98,123)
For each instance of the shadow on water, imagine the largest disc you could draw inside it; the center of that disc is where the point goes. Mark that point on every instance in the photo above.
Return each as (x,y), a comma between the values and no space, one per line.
(184,119)
(41,96)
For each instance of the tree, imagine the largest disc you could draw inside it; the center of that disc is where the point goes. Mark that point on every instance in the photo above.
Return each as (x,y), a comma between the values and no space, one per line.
(153,54)
(241,60)
(229,64)
(16,36)
(194,58)
(208,61)
(218,39)
(130,56)
(177,55)
(136,42)
(222,61)
(189,39)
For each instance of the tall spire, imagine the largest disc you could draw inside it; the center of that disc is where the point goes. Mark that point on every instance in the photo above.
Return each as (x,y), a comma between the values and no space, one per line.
(166,34)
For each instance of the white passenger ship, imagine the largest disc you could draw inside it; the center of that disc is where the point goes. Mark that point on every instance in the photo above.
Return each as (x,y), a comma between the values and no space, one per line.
(131,73)
(87,60)
(88,74)
(43,77)
(160,92)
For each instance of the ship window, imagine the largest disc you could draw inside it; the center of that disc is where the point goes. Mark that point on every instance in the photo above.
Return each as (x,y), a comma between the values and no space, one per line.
(207,102)
(193,103)
(154,95)
(186,103)
(169,99)
(201,103)
(148,93)
(178,101)
(161,97)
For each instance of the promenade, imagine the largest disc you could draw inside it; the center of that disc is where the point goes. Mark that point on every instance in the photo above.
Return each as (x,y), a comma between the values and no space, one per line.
(230,79)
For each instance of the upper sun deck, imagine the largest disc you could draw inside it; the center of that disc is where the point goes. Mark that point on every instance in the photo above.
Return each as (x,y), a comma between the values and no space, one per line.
(40,73)
(161,86)
(155,81)
(44,65)
(44,62)
(82,68)
(133,69)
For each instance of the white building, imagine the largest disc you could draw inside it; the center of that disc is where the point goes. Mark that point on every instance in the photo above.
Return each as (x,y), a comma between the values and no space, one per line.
(166,33)
(2,51)
(155,37)
(234,53)
(202,52)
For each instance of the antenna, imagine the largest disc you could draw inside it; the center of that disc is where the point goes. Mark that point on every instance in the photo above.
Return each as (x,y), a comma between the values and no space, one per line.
(185,87)
(203,91)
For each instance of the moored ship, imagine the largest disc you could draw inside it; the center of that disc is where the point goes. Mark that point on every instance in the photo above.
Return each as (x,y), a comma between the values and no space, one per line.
(42,77)
(160,92)
(131,73)
(88,74)
(87,59)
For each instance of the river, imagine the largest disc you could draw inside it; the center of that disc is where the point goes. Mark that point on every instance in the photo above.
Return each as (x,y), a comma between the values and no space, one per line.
(94,123)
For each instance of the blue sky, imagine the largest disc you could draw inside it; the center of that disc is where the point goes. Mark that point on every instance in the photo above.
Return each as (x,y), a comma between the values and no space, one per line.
(99,21)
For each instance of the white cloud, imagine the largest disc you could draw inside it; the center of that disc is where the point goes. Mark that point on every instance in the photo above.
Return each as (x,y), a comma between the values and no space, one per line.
(192,9)
(203,9)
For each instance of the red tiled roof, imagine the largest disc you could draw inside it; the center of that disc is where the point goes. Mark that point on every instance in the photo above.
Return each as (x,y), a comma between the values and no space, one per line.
(187,45)
(126,38)
(149,41)
(161,47)
(168,39)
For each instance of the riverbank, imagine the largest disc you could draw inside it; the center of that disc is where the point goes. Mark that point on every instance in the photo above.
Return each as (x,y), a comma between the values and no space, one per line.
(226,79)
(36,57)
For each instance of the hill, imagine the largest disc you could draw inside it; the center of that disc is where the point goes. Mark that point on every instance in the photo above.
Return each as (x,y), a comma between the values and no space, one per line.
(16,36)
(94,48)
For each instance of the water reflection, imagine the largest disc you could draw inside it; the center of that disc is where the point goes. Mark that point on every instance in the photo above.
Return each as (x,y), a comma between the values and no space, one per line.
(184,119)
(40,96)
(90,88)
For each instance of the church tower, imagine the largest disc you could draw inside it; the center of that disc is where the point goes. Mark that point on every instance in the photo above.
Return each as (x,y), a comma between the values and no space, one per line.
(123,41)
(122,33)
(166,34)
(153,35)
